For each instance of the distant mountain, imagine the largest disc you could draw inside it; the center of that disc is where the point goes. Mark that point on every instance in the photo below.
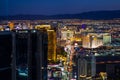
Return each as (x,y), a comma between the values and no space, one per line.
(95,15)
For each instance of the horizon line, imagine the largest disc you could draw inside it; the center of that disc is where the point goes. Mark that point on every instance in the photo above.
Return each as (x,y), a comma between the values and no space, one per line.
(60,13)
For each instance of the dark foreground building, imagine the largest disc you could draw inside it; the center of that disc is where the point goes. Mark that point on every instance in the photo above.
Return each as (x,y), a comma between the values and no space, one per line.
(5,55)
(28,55)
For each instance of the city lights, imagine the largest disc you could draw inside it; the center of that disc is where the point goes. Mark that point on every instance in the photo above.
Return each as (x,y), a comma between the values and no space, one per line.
(72,51)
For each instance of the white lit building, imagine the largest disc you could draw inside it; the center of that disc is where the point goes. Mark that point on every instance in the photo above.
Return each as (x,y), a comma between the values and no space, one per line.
(67,34)
(106,39)
(91,41)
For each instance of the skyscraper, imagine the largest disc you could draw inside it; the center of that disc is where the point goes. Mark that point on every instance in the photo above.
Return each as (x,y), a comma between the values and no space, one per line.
(52,45)
(52,56)
(5,55)
(86,66)
(30,55)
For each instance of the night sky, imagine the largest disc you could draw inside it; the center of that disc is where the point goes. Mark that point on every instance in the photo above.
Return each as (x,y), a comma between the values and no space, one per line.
(52,7)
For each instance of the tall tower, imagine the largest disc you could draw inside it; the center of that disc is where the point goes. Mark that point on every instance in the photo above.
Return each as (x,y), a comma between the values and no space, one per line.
(82,70)
(86,66)
(93,65)
(51,45)
(5,55)
(30,55)
(52,56)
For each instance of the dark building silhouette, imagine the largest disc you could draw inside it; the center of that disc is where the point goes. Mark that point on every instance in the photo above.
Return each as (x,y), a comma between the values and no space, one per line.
(23,55)
(110,65)
(30,55)
(42,56)
(5,55)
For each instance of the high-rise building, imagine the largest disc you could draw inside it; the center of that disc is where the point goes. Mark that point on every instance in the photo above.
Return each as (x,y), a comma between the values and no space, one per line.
(51,45)
(42,54)
(52,56)
(30,55)
(86,67)
(91,41)
(5,55)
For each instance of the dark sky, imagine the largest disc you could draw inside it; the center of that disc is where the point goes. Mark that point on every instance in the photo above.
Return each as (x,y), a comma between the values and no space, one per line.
(51,7)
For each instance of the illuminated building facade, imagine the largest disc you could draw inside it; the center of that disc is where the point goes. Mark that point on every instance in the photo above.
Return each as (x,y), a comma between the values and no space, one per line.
(67,34)
(86,42)
(47,27)
(1,28)
(51,41)
(106,39)
(91,41)
(51,45)
(11,25)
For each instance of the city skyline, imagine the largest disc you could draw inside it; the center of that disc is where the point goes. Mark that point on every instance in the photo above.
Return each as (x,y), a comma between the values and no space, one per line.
(52,7)
(60,49)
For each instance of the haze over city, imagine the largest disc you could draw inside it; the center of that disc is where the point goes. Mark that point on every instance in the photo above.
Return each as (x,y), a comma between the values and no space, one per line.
(53,7)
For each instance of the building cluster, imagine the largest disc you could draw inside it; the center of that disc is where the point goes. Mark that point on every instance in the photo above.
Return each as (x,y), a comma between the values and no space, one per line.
(86,33)
(82,40)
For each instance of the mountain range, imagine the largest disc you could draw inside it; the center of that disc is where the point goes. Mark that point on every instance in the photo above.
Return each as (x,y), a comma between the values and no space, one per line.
(94,15)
